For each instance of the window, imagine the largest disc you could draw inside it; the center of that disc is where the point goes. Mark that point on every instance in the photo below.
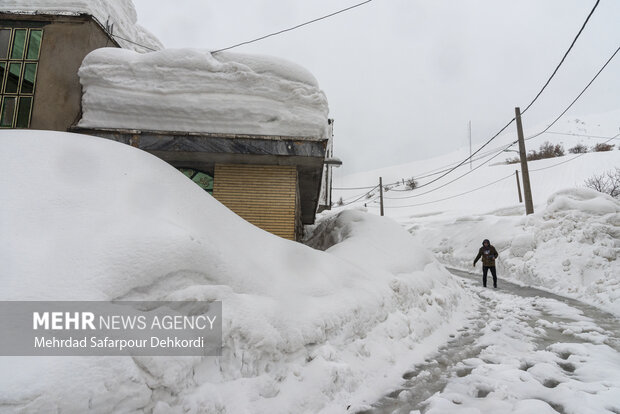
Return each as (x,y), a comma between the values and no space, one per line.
(19,60)
(204,180)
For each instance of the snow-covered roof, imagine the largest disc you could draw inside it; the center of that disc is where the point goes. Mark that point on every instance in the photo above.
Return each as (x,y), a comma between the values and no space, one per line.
(195,91)
(120,15)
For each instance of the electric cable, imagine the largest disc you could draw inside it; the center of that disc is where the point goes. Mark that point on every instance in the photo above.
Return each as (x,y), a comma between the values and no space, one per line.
(578,96)
(577,135)
(563,58)
(534,136)
(456,195)
(359,198)
(457,178)
(292,28)
(132,42)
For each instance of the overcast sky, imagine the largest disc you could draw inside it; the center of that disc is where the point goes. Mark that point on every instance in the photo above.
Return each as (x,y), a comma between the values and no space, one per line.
(404,77)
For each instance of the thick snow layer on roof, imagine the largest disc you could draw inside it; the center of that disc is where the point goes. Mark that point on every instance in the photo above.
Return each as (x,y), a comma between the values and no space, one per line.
(304,330)
(194,91)
(120,15)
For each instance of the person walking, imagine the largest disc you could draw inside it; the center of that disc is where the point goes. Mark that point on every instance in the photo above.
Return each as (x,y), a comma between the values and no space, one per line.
(488,254)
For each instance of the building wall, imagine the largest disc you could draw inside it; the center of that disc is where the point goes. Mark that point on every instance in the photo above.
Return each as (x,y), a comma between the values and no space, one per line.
(264,195)
(58,95)
(66,41)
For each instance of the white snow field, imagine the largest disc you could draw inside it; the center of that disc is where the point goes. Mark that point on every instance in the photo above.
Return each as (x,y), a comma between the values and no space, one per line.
(196,91)
(120,15)
(304,330)
(569,246)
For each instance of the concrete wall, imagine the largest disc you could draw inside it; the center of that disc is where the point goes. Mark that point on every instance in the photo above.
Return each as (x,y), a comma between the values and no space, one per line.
(66,41)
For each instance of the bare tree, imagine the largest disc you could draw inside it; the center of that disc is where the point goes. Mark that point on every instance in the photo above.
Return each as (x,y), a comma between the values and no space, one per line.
(601,147)
(547,150)
(607,183)
(412,184)
(578,149)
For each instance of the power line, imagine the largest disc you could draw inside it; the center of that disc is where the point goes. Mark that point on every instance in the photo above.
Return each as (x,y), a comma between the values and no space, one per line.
(496,151)
(262,37)
(468,158)
(457,178)
(457,195)
(419,176)
(352,188)
(497,154)
(534,100)
(430,174)
(468,172)
(496,181)
(501,179)
(108,31)
(449,170)
(292,28)
(132,42)
(578,96)
(359,198)
(563,57)
(577,135)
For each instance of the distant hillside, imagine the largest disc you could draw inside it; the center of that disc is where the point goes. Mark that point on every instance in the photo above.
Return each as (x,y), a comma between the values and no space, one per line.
(491,186)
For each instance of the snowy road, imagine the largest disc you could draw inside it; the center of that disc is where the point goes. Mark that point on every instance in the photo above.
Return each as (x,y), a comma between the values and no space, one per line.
(523,351)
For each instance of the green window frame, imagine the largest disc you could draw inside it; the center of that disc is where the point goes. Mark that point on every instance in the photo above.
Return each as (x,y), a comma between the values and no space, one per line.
(20,49)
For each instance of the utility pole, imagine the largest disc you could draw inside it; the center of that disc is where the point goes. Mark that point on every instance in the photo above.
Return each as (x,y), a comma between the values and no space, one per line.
(381,193)
(470,145)
(518,186)
(527,190)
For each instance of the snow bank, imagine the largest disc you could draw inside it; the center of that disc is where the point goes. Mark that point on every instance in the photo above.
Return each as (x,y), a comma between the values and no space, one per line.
(570,247)
(120,13)
(303,330)
(583,200)
(195,91)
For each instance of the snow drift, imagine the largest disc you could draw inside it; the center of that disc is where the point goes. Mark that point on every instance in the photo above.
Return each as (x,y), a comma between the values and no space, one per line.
(119,13)
(196,91)
(303,330)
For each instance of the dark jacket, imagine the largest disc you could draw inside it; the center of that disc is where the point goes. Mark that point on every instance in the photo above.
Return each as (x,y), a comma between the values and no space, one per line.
(488,254)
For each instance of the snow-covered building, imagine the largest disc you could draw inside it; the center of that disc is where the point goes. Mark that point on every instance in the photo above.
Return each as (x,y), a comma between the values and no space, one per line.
(253,131)
(42,45)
